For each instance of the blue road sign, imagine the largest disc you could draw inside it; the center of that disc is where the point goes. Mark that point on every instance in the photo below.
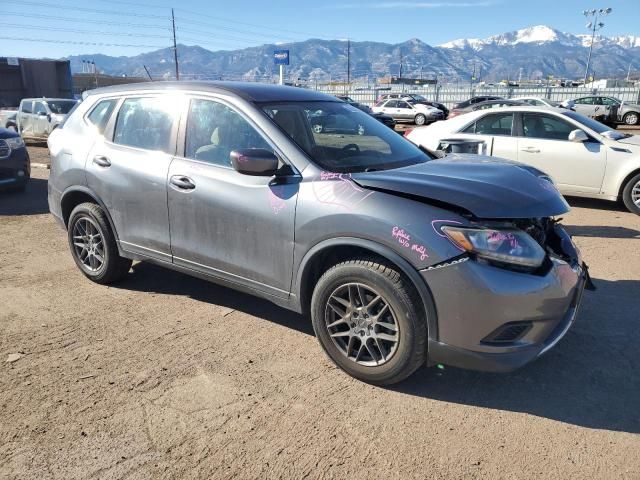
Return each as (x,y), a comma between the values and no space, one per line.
(281,57)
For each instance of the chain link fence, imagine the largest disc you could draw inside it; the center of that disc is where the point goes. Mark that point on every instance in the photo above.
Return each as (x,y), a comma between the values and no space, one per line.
(449,95)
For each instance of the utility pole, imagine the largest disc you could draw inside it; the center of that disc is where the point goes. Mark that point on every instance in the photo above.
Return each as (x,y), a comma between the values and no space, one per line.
(629,71)
(348,62)
(175,46)
(148,74)
(400,72)
(593,26)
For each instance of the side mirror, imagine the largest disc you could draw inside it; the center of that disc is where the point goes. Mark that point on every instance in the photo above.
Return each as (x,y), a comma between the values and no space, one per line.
(254,161)
(578,136)
(42,114)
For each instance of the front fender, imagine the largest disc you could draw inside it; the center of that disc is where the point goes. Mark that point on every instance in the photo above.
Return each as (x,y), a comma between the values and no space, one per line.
(381,250)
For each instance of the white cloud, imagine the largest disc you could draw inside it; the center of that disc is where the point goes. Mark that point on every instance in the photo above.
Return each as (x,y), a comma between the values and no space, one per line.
(413,5)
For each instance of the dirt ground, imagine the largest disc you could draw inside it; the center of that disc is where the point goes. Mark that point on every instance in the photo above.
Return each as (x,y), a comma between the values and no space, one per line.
(167,376)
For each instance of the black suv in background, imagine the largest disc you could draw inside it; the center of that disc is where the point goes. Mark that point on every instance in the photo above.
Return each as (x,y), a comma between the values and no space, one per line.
(474,100)
(15,167)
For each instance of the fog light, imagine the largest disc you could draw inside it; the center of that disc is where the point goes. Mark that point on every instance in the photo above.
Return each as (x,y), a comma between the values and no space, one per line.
(21,173)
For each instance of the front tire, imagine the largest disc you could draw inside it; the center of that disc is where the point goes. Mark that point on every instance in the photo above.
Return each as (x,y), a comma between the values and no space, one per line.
(631,118)
(368,319)
(93,245)
(420,119)
(631,195)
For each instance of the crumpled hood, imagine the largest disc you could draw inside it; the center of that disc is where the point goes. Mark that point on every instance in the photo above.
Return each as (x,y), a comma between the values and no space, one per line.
(486,187)
(632,140)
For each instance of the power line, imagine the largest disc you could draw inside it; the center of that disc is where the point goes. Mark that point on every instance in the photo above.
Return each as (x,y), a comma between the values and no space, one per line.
(262,27)
(99,44)
(232,29)
(227,37)
(135,4)
(96,32)
(82,9)
(84,20)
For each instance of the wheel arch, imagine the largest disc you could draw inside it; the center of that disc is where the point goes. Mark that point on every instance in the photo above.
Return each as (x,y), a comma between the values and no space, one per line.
(626,179)
(73,197)
(329,252)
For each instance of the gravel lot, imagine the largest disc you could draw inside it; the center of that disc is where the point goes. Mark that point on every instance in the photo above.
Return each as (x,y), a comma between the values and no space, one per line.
(166,376)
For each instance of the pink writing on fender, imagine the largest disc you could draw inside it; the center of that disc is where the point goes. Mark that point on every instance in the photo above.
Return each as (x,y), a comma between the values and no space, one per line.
(403,237)
(421,250)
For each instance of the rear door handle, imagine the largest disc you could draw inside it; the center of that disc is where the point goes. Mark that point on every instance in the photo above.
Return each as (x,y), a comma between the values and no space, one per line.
(102,161)
(530,150)
(182,182)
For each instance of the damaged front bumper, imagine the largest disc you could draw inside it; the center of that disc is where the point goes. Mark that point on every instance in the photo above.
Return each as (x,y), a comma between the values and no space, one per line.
(504,319)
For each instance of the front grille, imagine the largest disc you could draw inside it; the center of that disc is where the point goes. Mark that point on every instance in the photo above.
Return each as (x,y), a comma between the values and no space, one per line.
(4,149)
(507,333)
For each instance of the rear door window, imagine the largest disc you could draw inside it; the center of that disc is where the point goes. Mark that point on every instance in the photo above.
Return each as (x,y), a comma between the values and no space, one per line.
(101,114)
(26,106)
(493,124)
(145,123)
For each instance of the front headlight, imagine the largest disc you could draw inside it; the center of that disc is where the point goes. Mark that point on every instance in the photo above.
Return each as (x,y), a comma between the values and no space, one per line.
(507,246)
(14,142)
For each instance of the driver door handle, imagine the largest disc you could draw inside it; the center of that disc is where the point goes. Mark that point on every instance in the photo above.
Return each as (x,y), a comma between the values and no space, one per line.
(182,182)
(530,150)
(102,161)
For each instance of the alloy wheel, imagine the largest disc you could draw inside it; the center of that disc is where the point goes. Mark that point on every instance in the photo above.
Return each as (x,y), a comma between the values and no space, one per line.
(635,194)
(631,118)
(88,244)
(362,324)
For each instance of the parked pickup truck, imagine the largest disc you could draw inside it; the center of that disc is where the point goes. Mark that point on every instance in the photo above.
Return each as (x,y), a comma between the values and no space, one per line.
(8,119)
(38,117)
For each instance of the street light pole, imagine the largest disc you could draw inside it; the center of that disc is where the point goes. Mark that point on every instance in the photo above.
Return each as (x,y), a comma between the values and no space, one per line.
(593,26)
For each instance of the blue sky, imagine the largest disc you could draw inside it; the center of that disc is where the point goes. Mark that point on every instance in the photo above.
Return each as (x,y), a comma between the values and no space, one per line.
(128,27)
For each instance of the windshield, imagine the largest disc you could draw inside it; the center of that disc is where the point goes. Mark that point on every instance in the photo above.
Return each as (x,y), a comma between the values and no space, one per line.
(61,106)
(418,98)
(341,138)
(595,125)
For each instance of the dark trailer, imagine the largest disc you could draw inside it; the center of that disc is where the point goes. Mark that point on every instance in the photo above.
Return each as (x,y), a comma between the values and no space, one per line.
(25,78)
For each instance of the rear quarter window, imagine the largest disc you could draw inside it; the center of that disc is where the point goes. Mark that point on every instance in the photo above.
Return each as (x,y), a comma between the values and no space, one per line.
(145,123)
(101,113)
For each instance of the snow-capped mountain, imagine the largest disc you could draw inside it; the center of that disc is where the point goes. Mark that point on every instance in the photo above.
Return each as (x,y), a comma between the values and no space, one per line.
(541,34)
(533,53)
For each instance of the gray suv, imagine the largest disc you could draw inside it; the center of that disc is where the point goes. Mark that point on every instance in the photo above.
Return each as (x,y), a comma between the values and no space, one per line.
(398,257)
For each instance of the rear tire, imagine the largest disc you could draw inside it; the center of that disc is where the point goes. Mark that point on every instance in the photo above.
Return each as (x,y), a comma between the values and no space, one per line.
(379,341)
(93,245)
(631,118)
(420,119)
(631,195)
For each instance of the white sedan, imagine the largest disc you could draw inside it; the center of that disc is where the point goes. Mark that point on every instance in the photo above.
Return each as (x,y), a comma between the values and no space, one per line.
(403,111)
(583,157)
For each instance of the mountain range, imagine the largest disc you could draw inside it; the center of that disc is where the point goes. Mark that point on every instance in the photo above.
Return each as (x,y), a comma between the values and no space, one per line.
(530,53)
